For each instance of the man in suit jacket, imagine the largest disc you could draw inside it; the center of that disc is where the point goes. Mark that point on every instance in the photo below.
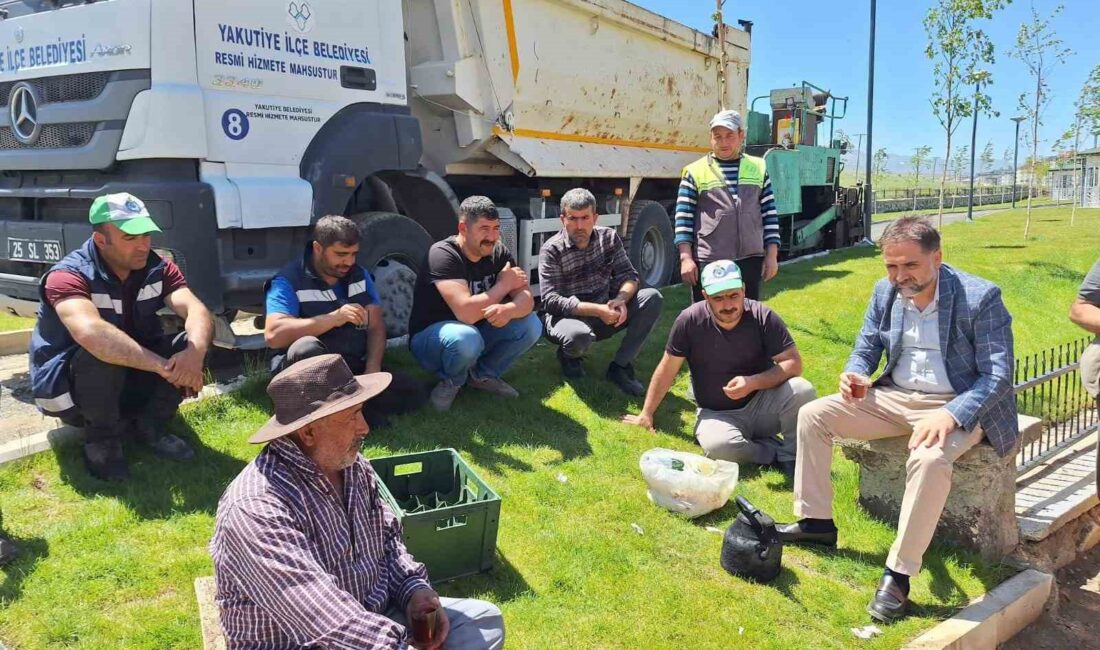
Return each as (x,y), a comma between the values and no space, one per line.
(947,382)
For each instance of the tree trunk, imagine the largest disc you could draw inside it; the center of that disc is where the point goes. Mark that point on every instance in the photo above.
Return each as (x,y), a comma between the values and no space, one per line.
(1034,151)
(943,176)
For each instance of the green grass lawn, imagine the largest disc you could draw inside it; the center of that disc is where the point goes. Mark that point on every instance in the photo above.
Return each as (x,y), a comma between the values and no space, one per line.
(10,323)
(947,209)
(113,566)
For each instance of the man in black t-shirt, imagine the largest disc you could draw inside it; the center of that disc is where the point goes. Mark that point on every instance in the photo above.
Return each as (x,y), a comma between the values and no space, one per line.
(745,370)
(471,317)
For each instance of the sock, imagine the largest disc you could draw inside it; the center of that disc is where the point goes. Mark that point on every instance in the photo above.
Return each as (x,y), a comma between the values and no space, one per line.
(900,578)
(817,525)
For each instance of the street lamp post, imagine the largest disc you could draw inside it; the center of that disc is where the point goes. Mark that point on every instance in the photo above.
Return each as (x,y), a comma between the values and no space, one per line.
(1016,157)
(867,189)
(973,151)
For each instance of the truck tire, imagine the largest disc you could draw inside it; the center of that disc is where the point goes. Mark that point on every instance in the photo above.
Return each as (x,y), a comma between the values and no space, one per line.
(651,250)
(392,248)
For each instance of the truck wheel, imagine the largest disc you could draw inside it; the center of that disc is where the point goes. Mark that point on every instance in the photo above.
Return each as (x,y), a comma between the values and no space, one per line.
(651,250)
(392,249)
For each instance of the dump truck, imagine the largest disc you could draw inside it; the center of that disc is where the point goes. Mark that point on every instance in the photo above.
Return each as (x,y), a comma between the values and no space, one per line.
(241,123)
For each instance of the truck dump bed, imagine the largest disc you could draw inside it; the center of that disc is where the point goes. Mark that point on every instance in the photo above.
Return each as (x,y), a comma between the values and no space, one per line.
(564,88)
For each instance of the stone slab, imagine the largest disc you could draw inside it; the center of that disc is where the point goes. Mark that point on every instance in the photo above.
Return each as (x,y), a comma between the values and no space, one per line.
(1057,491)
(993,618)
(15,342)
(212,636)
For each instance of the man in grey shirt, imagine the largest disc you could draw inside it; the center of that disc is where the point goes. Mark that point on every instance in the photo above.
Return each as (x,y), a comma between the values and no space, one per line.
(1086,313)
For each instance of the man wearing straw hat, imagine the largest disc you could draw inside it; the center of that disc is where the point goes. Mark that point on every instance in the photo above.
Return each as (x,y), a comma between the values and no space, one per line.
(306,553)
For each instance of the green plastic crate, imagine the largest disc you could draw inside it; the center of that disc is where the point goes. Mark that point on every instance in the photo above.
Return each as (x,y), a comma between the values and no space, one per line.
(448,515)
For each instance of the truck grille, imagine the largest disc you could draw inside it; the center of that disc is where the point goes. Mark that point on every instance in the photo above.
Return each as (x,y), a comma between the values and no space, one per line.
(53,136)
(65,88)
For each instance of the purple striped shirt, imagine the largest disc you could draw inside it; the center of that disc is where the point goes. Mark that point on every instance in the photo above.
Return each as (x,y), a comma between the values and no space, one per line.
(296,568)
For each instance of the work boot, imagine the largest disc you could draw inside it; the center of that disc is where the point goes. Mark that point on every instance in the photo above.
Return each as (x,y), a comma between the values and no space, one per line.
(165,445)
(494,385)
(623,377)
(8,549)
(571,367)
(105,461)
(443,395)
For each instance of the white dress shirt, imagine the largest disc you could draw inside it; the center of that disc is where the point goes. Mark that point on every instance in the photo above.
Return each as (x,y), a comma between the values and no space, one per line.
(920,365)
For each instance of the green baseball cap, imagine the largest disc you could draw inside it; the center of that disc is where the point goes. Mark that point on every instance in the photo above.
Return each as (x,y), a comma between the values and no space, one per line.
(123,210)
(720,276)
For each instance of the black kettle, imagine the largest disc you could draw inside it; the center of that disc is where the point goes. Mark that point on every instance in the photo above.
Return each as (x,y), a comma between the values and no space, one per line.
(751,548)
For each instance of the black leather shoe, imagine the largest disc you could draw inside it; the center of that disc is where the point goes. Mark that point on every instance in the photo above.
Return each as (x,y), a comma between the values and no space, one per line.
(793,534)
(623,377)
(890,601)
(571,367)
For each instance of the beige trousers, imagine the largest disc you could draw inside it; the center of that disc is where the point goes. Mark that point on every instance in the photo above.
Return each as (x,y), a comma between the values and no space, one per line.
(886,412)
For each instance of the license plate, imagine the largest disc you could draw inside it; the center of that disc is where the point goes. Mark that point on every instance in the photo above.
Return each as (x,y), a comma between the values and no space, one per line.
(34,250)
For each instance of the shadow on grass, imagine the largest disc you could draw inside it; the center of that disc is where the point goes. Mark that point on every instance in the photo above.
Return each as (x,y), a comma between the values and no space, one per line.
(803,274)
(501,584)
(31,550)
(481,426)
(1056,271)
(157,488)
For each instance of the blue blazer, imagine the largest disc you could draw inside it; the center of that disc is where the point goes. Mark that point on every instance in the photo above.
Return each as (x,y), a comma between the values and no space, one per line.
(976,342)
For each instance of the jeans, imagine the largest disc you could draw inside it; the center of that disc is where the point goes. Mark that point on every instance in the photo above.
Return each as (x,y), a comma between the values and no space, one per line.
(106,395)
(475,624)
(452,349)
(576,334)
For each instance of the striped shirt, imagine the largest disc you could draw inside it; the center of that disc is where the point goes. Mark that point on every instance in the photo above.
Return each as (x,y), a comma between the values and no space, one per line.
(689,194)
(297,568)
(569,275)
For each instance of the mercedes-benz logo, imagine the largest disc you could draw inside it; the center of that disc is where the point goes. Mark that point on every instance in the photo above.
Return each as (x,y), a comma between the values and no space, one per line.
(23,111)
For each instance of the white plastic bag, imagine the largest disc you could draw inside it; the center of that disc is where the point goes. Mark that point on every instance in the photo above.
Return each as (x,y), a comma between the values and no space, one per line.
(687,484)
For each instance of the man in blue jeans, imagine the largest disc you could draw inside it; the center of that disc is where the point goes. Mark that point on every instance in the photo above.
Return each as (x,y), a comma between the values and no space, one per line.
(472,311)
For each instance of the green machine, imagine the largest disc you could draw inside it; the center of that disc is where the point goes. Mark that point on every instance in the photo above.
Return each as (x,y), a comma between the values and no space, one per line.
(815,212)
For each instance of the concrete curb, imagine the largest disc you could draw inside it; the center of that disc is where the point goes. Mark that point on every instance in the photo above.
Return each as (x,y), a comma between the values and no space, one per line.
(15,342)
(993,618)
(59,433)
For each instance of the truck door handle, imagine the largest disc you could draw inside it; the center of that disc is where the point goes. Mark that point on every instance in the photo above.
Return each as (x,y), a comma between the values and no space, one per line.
(358,78)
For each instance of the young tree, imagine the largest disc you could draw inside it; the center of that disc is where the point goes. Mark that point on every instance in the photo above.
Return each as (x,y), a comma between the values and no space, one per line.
(878,159)
(1089,105)
(917,160)
(987,157)
(1039,49)
(962,55)
(960,161)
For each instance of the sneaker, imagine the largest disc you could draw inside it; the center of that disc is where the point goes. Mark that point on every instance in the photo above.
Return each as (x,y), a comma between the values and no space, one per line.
(8,550)
(571,367)
(494,385)
(171,447)
(623,377)
(443,395)
(164,445)
(105,461)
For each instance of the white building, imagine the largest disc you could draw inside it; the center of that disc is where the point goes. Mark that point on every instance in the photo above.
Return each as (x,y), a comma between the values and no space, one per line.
(1083,173)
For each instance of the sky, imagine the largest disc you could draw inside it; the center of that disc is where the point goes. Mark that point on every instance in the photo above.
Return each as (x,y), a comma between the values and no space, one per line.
(827,45)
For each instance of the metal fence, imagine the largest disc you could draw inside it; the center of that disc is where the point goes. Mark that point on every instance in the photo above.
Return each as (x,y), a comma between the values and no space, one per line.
(1048,387)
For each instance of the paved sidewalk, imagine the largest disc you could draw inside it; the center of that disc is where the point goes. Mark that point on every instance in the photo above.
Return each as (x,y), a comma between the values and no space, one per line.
(1077,622)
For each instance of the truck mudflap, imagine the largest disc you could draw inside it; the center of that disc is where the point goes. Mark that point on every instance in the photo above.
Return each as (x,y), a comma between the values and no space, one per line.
(40,225)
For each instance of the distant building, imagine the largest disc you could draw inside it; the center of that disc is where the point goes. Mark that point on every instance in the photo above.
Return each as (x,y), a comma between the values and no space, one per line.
(1083,171)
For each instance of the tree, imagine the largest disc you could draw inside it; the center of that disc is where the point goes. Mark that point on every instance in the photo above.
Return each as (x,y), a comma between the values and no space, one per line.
(1039,49)
(962,55)
(987,157)
(960,161)
(879,161)
(917,160)
(1089,105)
